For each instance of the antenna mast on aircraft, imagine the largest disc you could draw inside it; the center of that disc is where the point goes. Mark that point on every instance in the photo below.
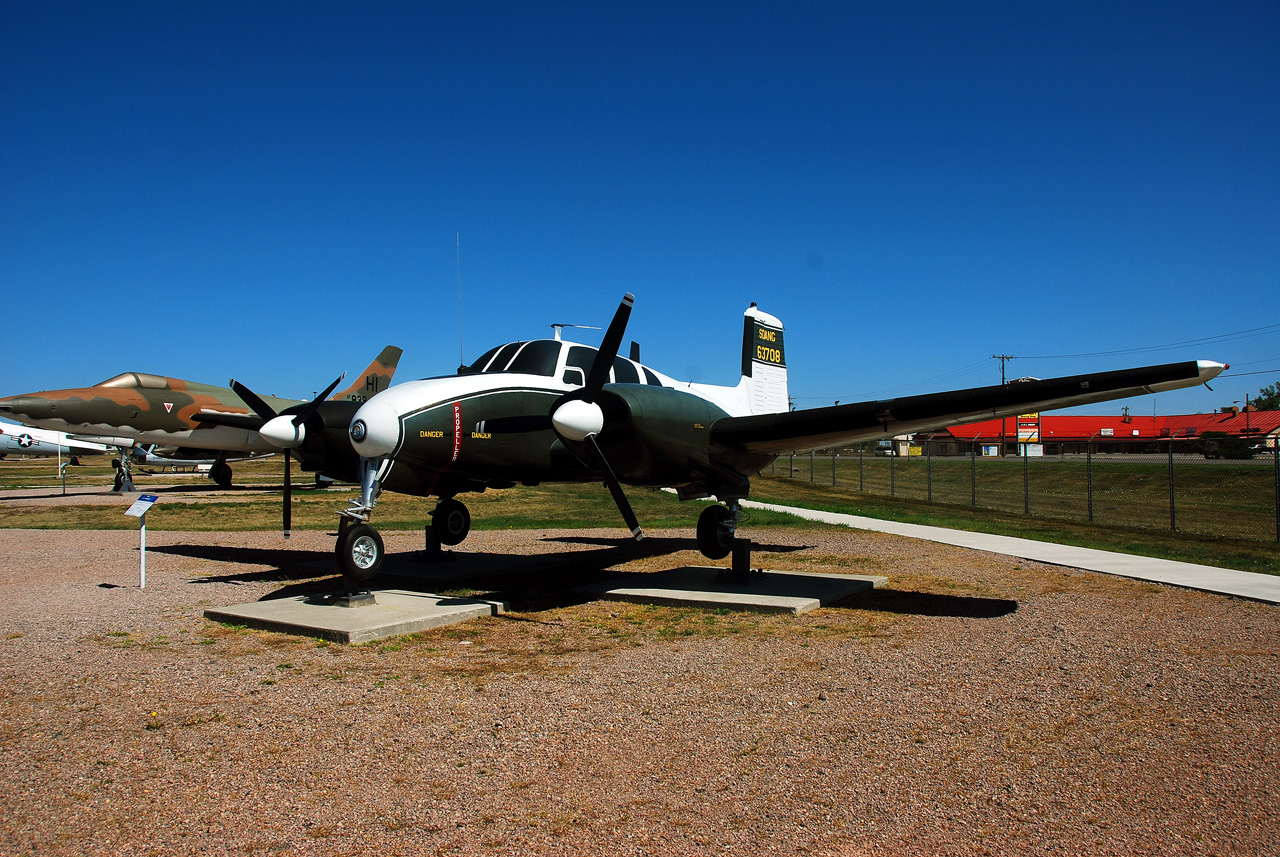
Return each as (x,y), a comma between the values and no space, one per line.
(462,360)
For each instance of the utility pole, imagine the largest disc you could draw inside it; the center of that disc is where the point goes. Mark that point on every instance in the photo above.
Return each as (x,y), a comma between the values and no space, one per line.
(1003,358)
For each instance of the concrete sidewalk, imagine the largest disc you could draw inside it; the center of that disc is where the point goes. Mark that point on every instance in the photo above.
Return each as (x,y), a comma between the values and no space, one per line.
(1244,584)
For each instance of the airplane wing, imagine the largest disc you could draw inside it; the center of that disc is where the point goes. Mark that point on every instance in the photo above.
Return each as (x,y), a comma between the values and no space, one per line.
(817,428)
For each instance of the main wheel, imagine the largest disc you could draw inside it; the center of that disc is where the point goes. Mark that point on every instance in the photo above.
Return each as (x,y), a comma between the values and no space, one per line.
(221,474)
(715,538)
(450,522)
(360,551)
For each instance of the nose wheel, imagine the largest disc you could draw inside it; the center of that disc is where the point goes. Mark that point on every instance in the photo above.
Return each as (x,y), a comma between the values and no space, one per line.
(359,551)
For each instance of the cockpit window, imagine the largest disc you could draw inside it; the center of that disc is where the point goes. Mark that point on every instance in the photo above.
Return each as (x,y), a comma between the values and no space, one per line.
(651,378)
(480,362)
(537,358)
(136,379)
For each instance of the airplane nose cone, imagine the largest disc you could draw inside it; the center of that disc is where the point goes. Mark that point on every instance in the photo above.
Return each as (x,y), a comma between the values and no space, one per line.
(27,407)
(375,429)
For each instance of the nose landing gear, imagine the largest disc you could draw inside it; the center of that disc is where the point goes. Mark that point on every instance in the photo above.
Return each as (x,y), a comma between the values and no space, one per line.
(359,550)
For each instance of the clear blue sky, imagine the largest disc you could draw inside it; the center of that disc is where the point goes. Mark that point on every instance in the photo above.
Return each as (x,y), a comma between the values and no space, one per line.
(273,191)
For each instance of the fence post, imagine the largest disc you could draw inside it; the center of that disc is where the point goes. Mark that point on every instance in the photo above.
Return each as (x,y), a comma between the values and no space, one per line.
(833,466)
(812,453)
(929,471)
(1088,469)
(1173,513)
(893,491)
(1275,463)
(973,474)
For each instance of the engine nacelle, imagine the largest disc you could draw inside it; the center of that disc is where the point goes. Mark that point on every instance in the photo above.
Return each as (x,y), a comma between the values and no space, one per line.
(655,450)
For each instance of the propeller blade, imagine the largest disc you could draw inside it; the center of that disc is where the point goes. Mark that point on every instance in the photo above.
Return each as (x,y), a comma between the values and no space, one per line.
(608,348)
(288,497)
(252,399)
(615,488)
(301,416)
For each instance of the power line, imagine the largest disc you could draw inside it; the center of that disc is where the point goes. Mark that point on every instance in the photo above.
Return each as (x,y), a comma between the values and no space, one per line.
(1255,331)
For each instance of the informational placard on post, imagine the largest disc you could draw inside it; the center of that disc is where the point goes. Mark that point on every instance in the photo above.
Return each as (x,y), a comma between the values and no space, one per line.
(139,510)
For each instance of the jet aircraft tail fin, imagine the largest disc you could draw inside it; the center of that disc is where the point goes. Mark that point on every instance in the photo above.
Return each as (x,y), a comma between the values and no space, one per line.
(764,364)
(374,379)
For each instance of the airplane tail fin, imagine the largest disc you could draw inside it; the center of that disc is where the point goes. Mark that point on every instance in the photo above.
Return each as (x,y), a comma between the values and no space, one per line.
(764,364)
(374,379)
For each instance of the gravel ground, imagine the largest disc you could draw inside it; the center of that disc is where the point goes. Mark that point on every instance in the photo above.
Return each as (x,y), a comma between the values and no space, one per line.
(980,705)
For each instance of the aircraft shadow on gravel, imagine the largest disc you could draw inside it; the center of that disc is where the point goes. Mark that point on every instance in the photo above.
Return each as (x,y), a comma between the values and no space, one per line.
(533,582)
(912,603)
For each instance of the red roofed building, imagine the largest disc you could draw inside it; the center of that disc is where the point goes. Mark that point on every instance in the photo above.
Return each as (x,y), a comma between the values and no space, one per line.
(1069,433)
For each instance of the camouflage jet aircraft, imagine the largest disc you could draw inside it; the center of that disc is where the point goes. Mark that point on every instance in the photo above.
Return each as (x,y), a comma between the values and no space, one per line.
(205,421)
(553,411)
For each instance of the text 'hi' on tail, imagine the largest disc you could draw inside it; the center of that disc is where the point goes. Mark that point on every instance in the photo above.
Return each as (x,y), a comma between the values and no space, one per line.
(375,378)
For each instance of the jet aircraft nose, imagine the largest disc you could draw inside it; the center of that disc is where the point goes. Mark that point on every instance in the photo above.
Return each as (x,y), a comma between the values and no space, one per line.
(375,429)
(27,407)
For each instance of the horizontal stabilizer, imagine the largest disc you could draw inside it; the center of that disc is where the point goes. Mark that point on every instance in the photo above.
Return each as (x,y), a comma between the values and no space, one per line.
(817,428)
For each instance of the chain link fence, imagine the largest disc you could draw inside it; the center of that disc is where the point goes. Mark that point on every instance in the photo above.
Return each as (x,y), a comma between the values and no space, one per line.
(1170,490)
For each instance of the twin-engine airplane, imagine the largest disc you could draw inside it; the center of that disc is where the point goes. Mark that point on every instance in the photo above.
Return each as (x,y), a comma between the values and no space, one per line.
(553,411)
(203,421)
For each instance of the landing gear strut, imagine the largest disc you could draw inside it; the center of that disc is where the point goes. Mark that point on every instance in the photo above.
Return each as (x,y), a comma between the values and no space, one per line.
(359,550)
(124,479)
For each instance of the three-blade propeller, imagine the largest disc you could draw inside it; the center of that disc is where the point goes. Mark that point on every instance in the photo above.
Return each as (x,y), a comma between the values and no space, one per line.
(286,431)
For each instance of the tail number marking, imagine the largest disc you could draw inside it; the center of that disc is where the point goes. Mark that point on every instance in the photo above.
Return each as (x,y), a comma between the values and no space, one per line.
(768,355)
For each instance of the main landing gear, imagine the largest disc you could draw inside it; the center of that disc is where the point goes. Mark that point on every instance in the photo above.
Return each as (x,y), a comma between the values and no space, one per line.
(717,538)
(220,473)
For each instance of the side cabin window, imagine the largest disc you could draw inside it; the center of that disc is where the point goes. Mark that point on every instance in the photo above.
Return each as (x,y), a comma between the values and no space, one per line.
(577,364)
(624,371)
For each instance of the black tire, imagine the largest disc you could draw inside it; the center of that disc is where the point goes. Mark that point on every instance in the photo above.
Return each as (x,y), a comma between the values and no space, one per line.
(715,540)
(360,552)
(221,474)
(450,522)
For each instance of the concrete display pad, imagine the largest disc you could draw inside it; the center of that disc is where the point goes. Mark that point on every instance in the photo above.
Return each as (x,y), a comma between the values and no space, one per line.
(793,592)
(394,612)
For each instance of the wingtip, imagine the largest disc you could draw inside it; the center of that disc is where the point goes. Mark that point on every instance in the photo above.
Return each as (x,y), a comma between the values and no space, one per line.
(1210,369)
